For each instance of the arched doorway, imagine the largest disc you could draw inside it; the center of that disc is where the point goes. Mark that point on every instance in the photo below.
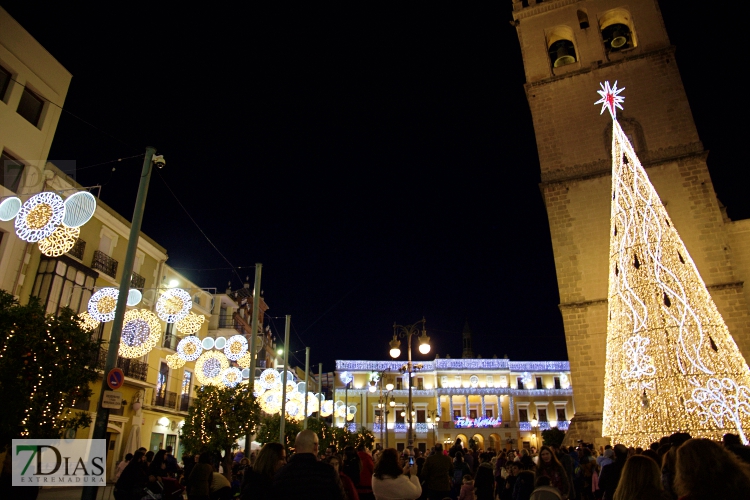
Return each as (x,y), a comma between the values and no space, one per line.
(478,441)
(464,441)
(495,441)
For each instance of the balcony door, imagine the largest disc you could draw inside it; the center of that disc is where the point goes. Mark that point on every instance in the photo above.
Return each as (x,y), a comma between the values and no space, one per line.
(161,384)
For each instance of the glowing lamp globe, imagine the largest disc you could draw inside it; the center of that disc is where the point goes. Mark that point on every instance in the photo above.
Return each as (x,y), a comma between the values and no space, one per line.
(373,386)
(403,413)
(389,387)
(395,353)
(392,403)
(424,348)
(437,418)
(395,347)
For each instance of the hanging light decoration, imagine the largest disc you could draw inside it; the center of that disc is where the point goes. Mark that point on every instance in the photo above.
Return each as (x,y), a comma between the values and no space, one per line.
(208,343)
(60,242)
(87,322)
(140,333)
(268,378)
(9,208)
(209,366)
(134,297)
(39,216)
(270,402)
(231,376)
(174,361)
(79,208)
(102,304)
(189,348)
(190,324)
(173,305)
(244,360)
(326,408)
(220,342)
(235,347)
(313,403)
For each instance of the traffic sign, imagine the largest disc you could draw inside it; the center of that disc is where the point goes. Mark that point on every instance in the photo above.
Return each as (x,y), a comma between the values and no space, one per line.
(115,378)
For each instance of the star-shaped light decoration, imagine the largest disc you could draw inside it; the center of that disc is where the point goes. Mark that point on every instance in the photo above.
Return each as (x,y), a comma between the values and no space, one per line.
(610,98)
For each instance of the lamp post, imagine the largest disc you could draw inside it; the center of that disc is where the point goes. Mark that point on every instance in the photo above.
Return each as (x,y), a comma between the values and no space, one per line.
(401,331)
(433,414)
(535,425)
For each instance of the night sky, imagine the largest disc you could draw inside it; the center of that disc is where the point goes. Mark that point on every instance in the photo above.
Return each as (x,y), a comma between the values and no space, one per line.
(380,162)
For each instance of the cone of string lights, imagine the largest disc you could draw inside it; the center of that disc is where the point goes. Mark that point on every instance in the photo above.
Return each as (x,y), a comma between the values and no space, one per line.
(672,365)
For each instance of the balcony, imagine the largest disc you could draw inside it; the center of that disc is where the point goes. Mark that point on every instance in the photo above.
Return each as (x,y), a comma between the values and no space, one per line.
(171,341)
(104,263)
(164,399)
(185,402)
(78,249)
(130,367)
(136,281)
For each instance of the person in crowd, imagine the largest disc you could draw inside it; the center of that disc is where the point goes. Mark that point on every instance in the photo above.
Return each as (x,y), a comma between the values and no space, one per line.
(704,470)
(549,466)
(158,466)
(352,465)
(544,491)
(457,447)
(469,460)
(121,466)
(500,473)
(349,488)
(669,460)
(606,458)
(188,462)
(238,456)
(172,467)
(238,468)
(610,474)
(199,481)
(525,479)
(467,488)
(732,443)
(220,488)
(568,463)
(514,468)
(640,480)
(484,480)
(364,489)
(392,482)
(460,469)
(149,458)
(303,477)
(133,479)
(437,474)
(257,481)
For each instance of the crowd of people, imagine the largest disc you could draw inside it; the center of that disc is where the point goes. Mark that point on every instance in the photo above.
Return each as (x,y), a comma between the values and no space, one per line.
(675,468)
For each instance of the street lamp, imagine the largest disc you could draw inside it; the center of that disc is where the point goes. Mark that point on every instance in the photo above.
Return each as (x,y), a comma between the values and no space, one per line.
(430,415)
(401,331)
(535,425)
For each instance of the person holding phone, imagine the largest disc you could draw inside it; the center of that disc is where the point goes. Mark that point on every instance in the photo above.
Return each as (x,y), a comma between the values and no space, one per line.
(392,482)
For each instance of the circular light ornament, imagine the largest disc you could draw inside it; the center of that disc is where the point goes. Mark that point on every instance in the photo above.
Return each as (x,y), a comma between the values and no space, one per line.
(231,376)
(174,361)
(235,347)
(134,297)
(102,304)
(258,391)
(352,410)
(190,324)
(268,378)
(301,388)
(246,373)
(60,241)
(209,366)
(244,362)
(327,408)
(173,305)
(87,321)
(189,348)
(9,208)
(208,343)
(270,402)
(292,408)
(79,208)
(140,333)
(39,216)
(220,342)
(313,403)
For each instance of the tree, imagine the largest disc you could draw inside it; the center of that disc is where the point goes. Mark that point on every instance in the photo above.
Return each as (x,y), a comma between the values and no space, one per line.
(553,437)
(268,432)
(218,418)
(43,370)
(672,364)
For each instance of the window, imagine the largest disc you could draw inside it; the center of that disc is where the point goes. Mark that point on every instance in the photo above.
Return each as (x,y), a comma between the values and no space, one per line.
(12,171)
(542,415)
(539,383)
(378,416)
(557,383)
(490,381)
(171,440)
(421,416)
(489,412)
(583,19)
(420,383)
(63,282)
(4,81)
(161,384)
(456,414)
(523,414)
(30,106)
(457,380)
(398,383)
(399,418)
(187,380)
(400,447)
(473,413)
(519,382)
(561,417)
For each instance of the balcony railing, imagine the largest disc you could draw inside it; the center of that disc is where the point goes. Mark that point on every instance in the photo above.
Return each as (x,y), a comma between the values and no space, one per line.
(165,399)
(104,263)
(130,367)
(136,281)
(78,249)
(227,321)
(171,341)
(185,402)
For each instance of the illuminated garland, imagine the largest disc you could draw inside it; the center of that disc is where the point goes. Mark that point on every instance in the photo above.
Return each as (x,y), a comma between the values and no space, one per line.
(39,216)
(190,324)
(671,363)
(189,348)
(173,305)
(60,241)
(102,304)
(174,361)
(87,321)
(141,331)
(235,347)
(209,366)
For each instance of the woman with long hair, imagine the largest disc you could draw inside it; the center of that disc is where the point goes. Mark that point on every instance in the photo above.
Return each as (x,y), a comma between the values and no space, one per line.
(335,461)
(257,482)
(133,479)
(704,470)
(640,480)
(158,466)
(551,467)
(199,481)
(391,482)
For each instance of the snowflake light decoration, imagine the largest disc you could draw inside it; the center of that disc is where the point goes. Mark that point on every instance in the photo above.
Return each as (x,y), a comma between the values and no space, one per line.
(39,216)
(102,304)
(231,376)
(209,366)
(268,378)
(174,361)
(173,305)
(190,324)
(611,98)
(140,333)
(60,241)
(235,347)
(87,321)
(189,348)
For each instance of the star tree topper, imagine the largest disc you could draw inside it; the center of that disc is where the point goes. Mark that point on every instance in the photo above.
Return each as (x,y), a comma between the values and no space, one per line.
(610,98)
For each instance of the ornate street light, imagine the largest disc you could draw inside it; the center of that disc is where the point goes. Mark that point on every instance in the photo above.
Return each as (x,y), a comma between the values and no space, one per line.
(535,425)
(401,331)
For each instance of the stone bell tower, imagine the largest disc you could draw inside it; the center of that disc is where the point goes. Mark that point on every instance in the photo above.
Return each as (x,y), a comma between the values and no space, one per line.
(568,48)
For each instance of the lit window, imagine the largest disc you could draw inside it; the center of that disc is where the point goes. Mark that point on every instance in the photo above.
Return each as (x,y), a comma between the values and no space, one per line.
(30,107)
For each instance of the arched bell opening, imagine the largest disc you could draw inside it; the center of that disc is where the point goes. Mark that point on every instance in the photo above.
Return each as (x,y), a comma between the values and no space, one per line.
(617,30)
(562,53)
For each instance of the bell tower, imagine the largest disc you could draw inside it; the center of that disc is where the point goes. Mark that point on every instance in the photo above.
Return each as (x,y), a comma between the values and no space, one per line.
(568,48)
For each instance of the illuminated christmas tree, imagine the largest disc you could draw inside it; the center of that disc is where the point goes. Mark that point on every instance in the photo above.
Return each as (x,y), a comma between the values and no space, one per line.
(672,365)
